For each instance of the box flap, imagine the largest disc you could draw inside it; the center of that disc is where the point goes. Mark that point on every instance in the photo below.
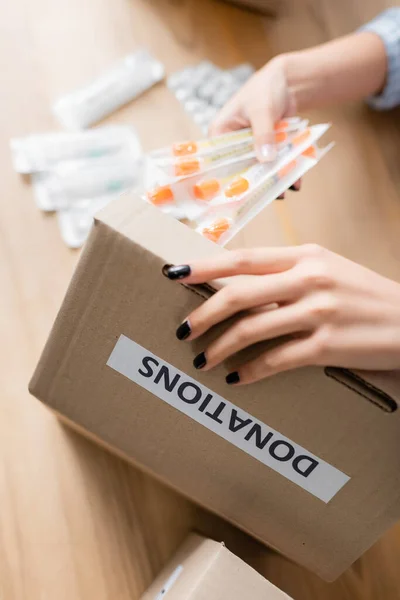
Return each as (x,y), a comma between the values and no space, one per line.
(185,571)
(146,226)
(205,570)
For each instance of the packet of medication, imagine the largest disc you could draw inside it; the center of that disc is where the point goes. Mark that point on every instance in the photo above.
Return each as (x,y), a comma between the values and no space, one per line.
(224,221)
(126,80)
(207,173)
(188,197)
(203,88)
(200,147)
(41,152)
(258,177)
(207,145)
(186,166)
(217,185)
(70,182)
(242,72)
(191,78)
(241,192)
(197,163)
(210,88)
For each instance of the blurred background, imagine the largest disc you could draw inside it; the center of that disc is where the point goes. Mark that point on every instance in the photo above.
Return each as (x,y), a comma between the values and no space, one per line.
(76,522)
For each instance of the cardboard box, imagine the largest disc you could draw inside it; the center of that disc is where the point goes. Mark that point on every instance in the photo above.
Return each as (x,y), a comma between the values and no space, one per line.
(206,570)
(308,461)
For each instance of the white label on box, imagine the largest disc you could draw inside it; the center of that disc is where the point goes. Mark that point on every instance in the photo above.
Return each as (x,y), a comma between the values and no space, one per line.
(226,420)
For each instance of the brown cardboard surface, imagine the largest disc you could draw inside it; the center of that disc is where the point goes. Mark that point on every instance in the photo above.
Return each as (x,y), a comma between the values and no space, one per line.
(208,571)
(118,289)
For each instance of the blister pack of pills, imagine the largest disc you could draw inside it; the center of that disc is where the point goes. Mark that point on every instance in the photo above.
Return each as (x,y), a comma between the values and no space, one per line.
(123,82)
(229,215)
(204,88)
(188,197)
(226,186)
(184,177)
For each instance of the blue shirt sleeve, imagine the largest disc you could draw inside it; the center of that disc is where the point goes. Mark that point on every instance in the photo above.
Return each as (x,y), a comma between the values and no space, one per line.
(387,27)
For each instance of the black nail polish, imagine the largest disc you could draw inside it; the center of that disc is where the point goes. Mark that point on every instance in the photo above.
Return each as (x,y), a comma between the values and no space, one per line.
(165,269)
(200,361)
(233,378)
(293,188)
(179,272)
(183,331)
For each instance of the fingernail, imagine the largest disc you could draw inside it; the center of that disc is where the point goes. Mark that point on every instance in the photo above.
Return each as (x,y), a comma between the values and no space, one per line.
(267,152)
(296,186)
(179,272)
(232,378)
(200,361)
(183,331)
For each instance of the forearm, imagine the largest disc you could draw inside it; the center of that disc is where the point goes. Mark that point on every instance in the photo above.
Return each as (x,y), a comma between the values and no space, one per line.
(347,69)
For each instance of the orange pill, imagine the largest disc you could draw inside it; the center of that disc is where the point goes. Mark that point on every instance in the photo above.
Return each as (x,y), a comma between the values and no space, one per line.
(214,231)
(281,125)
(184,148)
(286,169)
(161,195)
(187,167)
(207,189)
(299,139)
(280,137)
(237,187)
(310,152)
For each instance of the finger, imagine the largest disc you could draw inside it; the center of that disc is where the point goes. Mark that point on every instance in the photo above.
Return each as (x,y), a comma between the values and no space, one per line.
(229,118)
(262,120)
(255,261)
(240,296)
(232,123)
(253,329)
(291,355)
(296,186)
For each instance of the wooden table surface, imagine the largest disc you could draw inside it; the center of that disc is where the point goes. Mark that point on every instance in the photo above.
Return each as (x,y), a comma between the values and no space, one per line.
(75,522)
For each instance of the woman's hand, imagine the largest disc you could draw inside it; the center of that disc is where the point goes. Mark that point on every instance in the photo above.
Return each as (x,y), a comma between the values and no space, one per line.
(265,99)
(336,312)
(346,69)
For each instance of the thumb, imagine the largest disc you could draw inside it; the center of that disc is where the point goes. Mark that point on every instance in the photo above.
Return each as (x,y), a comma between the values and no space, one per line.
(225,124)
(228,119)
(263,124)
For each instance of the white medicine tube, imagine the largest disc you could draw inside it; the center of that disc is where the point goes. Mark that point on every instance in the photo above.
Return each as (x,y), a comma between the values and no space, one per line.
(43,151)
(65,186)
(126,80)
